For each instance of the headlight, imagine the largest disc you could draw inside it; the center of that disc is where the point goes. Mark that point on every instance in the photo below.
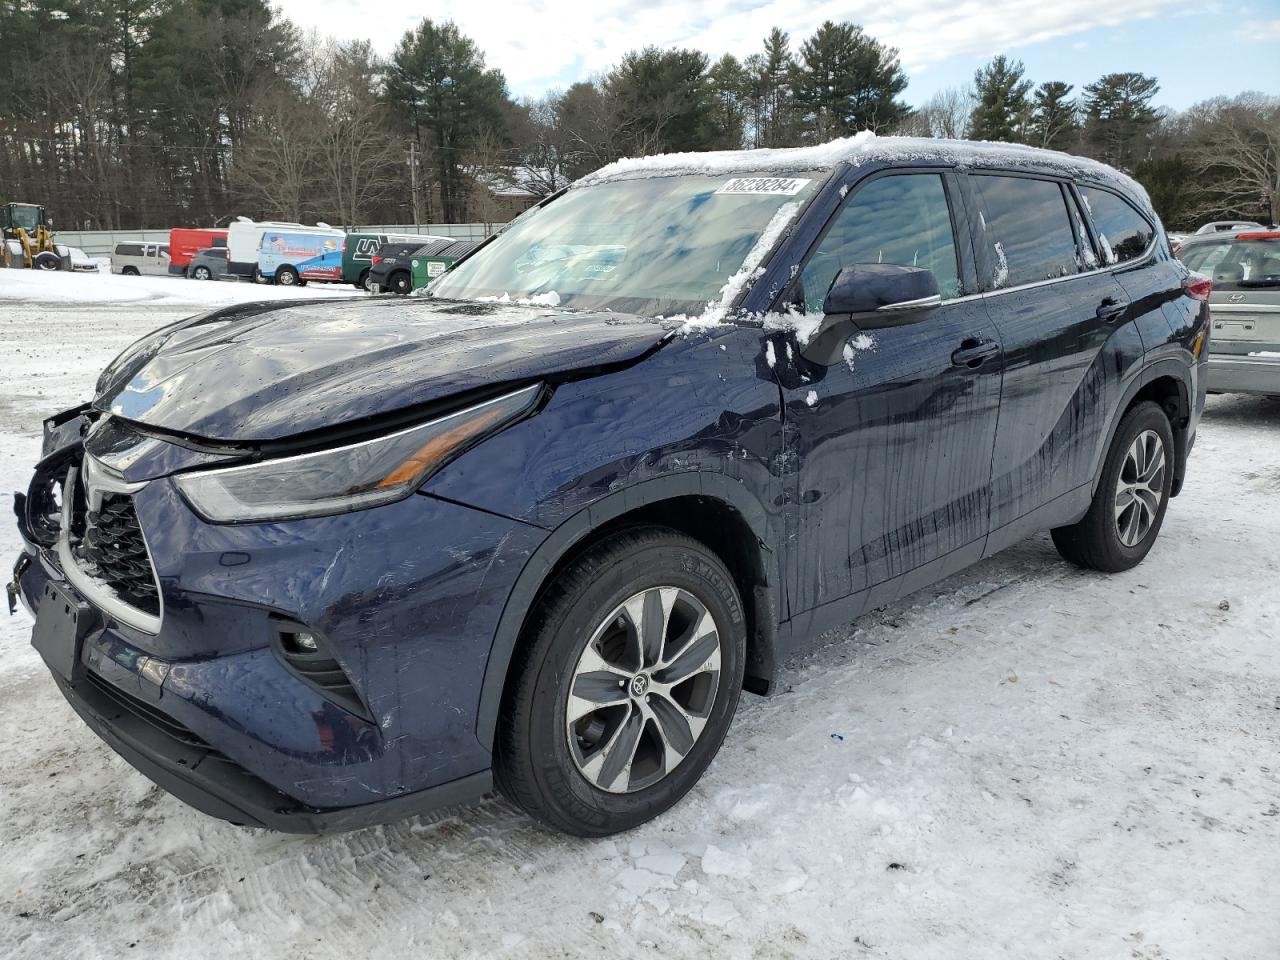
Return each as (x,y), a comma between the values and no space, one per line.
(347,478)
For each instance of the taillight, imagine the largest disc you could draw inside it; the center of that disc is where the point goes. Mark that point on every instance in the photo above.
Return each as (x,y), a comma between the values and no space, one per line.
(375,260)
(1197,287)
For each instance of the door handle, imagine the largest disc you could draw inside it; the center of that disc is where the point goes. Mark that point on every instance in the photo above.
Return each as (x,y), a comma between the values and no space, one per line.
(1111,308)
(973,353)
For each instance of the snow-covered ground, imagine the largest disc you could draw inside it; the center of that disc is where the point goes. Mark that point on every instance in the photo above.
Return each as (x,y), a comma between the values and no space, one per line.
(58,288)
(1026,761)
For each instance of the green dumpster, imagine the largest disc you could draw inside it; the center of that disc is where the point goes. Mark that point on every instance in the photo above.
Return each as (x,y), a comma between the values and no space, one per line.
(433,259)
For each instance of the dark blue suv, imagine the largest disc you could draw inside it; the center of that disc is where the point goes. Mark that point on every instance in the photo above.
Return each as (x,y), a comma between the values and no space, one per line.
(320,565)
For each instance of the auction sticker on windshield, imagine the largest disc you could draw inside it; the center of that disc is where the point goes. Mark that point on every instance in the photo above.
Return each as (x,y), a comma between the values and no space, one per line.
(784,186)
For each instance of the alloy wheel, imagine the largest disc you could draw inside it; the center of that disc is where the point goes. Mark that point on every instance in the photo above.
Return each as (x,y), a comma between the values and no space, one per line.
(643,689)
(1140,488)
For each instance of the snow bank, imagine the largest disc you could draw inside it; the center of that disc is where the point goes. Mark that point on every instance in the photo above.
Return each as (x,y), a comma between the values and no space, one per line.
(58,287)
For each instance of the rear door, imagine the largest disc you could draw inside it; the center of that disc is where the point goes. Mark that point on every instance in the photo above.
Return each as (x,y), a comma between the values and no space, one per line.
(893,439)
(1065,322)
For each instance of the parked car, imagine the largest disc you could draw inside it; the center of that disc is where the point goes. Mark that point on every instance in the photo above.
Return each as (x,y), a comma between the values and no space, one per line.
(391,270)
(137,259)
(361,248)
(292,256)
(80,261)
(1244,350)
(317,565)
(435,259)
(244,242)
(209,264)
(1227,226)
(185,243)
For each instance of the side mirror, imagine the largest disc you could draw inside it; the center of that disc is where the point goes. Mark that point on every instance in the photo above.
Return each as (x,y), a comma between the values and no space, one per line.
(870,296)
(878,295)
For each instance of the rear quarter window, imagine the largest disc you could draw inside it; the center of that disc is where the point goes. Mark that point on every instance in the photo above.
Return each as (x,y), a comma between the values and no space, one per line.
(128,249)
(1123,232)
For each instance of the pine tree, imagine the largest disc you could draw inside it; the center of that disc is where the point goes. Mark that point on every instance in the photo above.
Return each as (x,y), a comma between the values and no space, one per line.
(771,93)
(661,101)
(730,87)
(1119,117)
(847,81)
(1054,122)
(1002,109)
(438,77)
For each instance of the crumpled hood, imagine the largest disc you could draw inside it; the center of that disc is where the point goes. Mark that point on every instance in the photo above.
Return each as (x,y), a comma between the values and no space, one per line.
(263,372)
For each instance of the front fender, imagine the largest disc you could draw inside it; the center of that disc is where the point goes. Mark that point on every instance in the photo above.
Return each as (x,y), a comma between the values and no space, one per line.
(572,532)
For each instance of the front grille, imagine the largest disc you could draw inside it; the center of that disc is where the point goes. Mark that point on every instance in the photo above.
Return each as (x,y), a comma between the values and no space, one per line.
(113,549)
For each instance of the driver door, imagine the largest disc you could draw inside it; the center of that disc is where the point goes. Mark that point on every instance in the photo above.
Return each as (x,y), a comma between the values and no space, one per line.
(892,480)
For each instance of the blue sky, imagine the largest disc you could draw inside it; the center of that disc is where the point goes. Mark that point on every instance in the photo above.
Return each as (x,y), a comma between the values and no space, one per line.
(1197,49)
(1194,57)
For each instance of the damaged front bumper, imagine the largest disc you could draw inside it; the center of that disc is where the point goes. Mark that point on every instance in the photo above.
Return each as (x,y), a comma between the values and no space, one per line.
(213,706)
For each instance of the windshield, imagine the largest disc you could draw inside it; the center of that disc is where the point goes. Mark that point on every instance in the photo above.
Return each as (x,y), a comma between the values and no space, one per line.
(653,247)
(25,218)
(1234,263)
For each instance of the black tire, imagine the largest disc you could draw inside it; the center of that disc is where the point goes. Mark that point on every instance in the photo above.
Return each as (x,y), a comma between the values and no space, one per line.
(288,277)
(400,283)
(130,272)
(363,282)
(46,261)
(1095,541)
(201,273)
(534,764)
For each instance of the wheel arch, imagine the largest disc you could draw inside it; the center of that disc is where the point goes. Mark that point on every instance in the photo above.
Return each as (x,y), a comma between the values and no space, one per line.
(708,507)
(1168,383)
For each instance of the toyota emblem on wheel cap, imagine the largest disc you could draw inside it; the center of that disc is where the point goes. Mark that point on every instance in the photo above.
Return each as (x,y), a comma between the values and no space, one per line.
(639,685)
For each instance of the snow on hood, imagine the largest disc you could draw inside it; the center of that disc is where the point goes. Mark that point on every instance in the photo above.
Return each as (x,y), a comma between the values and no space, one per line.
(862,148)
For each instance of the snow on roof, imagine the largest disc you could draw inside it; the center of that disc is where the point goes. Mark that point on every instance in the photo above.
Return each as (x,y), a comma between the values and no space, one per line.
(862,148)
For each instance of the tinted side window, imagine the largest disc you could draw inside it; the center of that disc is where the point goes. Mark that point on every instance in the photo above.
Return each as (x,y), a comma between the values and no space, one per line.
(1120,227)
(902,219)
(1028,228)
(128,250)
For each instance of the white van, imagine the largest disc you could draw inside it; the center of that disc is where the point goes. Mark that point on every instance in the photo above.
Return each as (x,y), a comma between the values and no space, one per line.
(136,259)
(244,240)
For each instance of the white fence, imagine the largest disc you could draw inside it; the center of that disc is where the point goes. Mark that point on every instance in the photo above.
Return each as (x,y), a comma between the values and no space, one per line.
(100,243)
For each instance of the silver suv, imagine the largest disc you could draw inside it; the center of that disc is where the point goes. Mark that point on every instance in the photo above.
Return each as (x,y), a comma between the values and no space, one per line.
(1244,346)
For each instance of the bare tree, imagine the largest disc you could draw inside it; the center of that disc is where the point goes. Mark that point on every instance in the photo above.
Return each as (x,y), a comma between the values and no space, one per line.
(945,114)
(1238,153)
(276,165)
(358,164)
(488,175)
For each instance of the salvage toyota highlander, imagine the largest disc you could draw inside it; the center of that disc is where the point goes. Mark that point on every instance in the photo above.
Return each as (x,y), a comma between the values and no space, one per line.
(326,564)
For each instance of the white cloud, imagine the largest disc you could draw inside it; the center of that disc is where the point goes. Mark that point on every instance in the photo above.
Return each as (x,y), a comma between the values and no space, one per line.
(534,43)
(1264,32)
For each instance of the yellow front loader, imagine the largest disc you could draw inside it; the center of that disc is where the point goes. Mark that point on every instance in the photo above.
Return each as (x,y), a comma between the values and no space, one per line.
(27,238)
